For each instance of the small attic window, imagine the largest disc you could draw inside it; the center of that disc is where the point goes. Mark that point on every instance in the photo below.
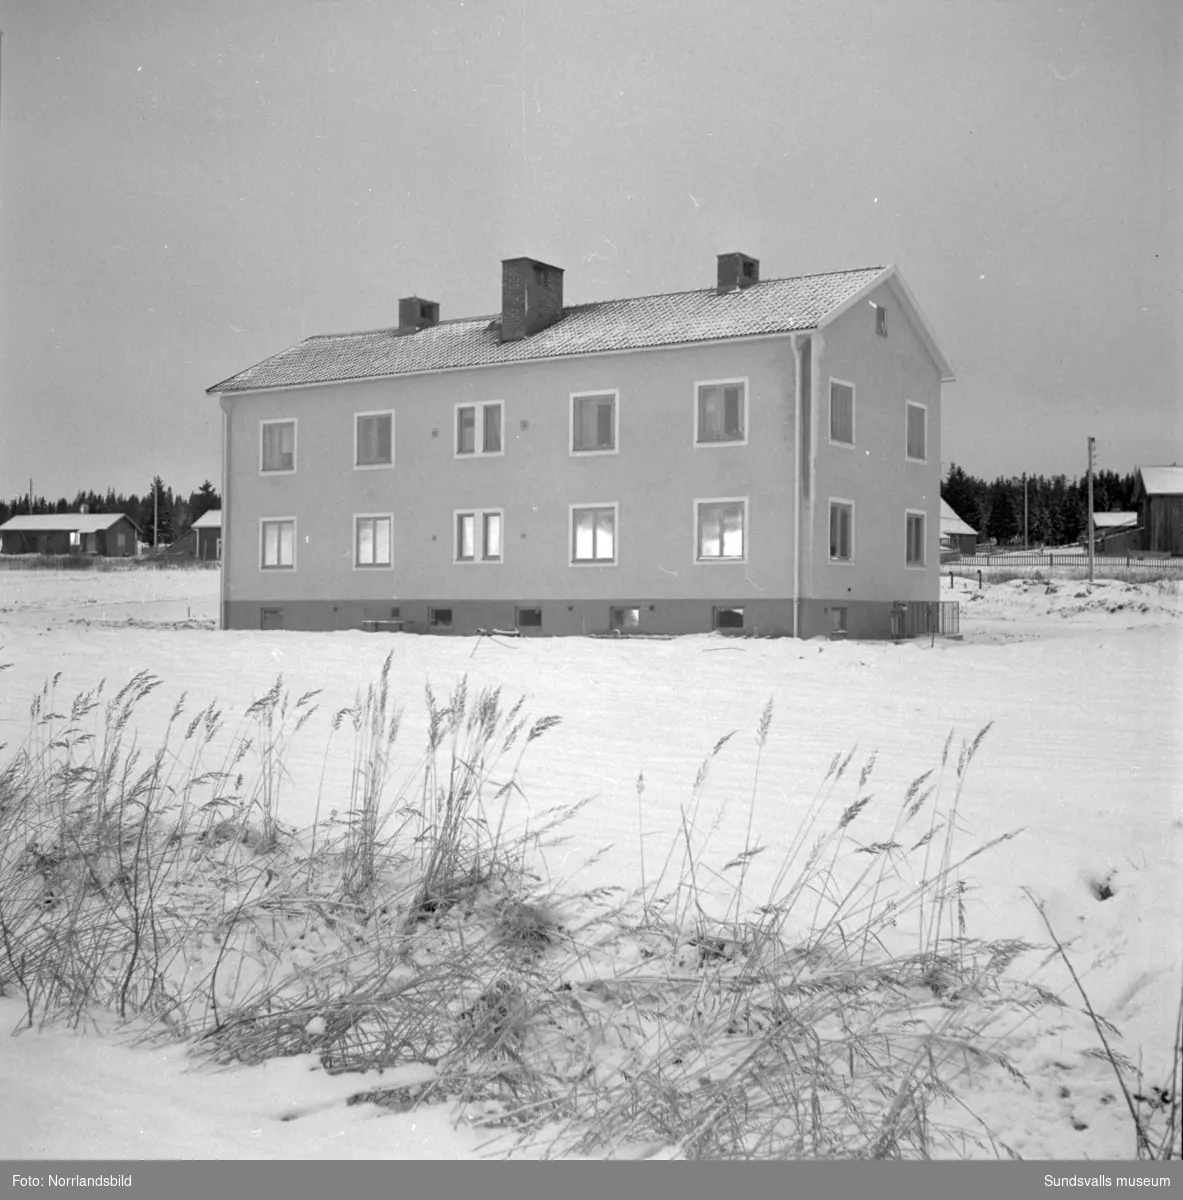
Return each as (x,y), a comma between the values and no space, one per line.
(880,320)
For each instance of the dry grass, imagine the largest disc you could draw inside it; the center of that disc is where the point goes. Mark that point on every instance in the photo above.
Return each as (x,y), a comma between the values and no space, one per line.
(836,1014)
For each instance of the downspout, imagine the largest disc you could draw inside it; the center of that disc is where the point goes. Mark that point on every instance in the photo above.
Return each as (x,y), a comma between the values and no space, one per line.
(816,350)
(224,566)
(796,485)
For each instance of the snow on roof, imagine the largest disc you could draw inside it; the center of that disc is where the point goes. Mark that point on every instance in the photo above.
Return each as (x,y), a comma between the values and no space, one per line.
(63,523)
(1114,520)
(775,306)
(209,520)
(952,523)
(1162,481)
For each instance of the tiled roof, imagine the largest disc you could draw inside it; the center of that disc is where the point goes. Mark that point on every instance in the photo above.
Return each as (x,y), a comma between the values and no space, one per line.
(773,306)
(951,522)
(1162,481)
(62,523)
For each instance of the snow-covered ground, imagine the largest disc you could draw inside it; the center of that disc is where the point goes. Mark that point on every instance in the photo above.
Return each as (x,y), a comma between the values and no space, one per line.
(1084,686)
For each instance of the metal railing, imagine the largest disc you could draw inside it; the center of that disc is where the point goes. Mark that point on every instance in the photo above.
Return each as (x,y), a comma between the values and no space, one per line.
(925,618)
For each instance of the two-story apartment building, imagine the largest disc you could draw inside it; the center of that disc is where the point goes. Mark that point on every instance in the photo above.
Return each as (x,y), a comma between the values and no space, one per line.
(755,456)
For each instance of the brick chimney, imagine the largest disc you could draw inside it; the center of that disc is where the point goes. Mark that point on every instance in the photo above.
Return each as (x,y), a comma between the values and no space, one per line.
(736,272)
(415,314)
(531,297)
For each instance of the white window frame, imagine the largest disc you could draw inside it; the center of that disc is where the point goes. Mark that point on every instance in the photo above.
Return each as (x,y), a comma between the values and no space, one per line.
(594,392)
(908,406)
(263,523)
(478,431)
(922,565)
(701,383)
(833,500)
(747,531)
(853,413)
(378,412)
(378,516)
(593,504)
(478,535)
(295,424)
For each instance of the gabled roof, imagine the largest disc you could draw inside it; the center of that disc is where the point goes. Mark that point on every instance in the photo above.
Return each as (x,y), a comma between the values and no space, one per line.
(64,523)
(775,306)
(1114,520)
(952,523)
(208,520)
(1158,481)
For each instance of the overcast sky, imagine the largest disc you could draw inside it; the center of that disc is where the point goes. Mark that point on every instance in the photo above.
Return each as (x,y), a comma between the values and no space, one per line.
(189,186)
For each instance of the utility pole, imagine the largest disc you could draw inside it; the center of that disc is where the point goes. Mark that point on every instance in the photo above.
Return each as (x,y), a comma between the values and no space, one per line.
(1026,539)
(156,513)
(1092,455)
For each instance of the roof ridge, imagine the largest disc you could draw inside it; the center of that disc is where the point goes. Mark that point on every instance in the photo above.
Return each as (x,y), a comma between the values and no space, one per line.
(315,337)
(715,291)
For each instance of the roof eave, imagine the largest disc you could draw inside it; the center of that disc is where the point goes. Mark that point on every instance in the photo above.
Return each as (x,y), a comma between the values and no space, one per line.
(516,362)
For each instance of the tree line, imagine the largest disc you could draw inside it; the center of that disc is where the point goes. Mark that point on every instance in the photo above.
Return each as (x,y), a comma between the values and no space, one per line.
(163,516)
(1057,508)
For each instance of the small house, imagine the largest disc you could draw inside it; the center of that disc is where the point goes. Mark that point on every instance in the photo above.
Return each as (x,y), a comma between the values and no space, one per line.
(960,536)
(111,535)
(1158,493)
(1114,532)
(208,528)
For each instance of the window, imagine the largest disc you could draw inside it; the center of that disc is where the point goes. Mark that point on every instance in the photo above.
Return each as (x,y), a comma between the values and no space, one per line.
(374,440)
(277,450)
(721,412)
(914,539)
(75,537)
(372,539)
(880,320)
(626,620)
(917,432)
(478,428)
(528,618)
(439,618)
(593,533)
(728,616)
(841,530)
(841,412)
(721,533)
(271,618)
(121,541)
(278,544)
(478,535)
(838,620)
(593,423)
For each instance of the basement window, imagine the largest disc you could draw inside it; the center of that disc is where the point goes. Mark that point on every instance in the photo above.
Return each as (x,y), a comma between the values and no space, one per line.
(728,617)
(528,618)
(838,620)
(626,620)
(440,618)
